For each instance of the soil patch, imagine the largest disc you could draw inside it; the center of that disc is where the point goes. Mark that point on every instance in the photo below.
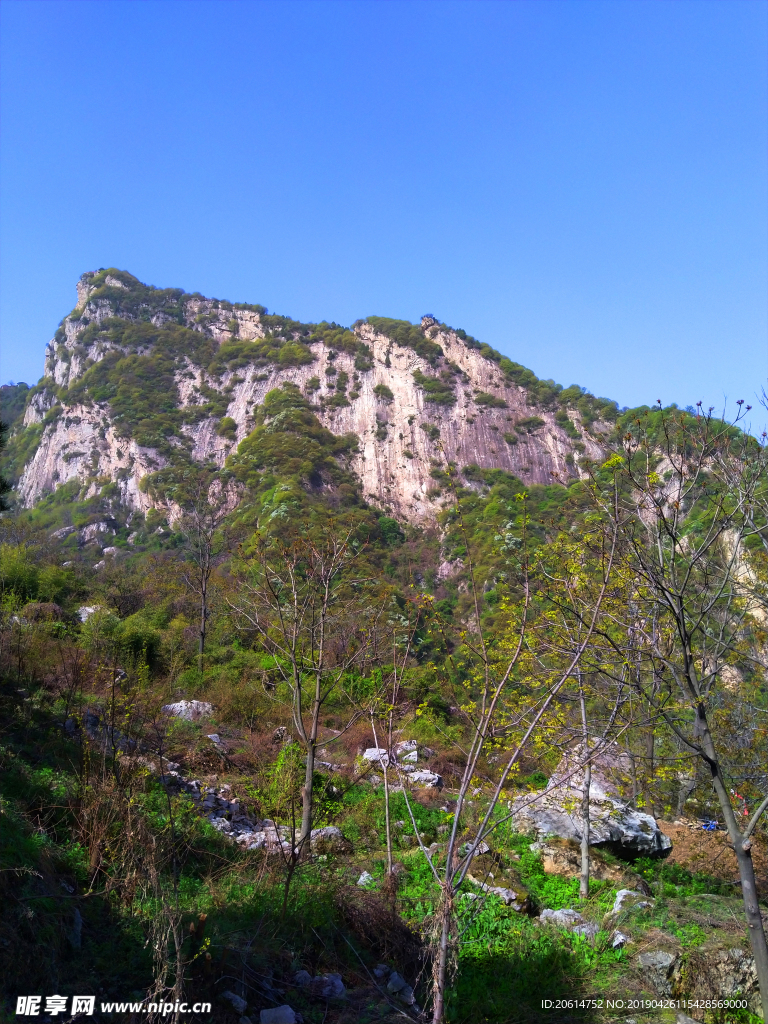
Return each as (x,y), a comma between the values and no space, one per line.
(712,853)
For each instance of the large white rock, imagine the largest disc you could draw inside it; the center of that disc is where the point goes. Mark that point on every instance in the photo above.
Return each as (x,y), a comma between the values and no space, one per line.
(613,823)
(376,755)
(189,710)
(425,778)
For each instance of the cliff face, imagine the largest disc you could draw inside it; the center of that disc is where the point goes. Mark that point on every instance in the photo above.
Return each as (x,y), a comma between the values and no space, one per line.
(412,411)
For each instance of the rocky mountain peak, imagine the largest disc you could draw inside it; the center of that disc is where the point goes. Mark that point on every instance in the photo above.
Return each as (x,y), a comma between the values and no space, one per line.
(140,381)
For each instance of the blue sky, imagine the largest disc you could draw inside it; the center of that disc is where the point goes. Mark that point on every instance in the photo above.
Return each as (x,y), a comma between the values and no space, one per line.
(583,185)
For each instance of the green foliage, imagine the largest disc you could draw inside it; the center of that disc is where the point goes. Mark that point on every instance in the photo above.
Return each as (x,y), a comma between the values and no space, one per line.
(407,335)
(289,456)
(490,401)
(391,532)
(384,393)
(234,355)
(341,339)
(563,420)
(436,389)
(13,403)
(432,432)
(19,571)
(529,424)
(227,428)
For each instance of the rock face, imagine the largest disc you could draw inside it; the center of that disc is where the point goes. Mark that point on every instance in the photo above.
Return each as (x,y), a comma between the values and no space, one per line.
(710,972)
(493,421)
(613,823)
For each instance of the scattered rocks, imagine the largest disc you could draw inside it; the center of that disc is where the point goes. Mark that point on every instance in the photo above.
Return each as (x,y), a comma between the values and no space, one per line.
(376,755)
(506,895)
(619,939)
(302,978)
(189,710)
(327,986)
(365,880)
(398,987)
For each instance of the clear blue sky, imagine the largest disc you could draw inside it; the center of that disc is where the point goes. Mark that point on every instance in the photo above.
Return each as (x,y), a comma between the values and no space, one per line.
(583,185)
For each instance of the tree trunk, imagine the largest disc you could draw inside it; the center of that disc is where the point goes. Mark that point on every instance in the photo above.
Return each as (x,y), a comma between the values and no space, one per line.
(441,968)
(306,799)
(203,617)
(757,936)
(584,880)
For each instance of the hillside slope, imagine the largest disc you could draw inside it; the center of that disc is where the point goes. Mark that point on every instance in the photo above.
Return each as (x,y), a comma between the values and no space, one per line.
(140,381)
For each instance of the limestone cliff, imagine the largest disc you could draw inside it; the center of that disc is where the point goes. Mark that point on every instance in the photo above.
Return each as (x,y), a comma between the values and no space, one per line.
(414,406)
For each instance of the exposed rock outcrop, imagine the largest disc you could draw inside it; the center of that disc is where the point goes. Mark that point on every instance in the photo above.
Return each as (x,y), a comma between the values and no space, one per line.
(489,421)
(613,822)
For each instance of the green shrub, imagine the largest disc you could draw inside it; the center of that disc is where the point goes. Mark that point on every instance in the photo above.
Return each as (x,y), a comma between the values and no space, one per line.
(18,572)
(384,393)
(490,401)
(227,428)
(435,389)
(529,424)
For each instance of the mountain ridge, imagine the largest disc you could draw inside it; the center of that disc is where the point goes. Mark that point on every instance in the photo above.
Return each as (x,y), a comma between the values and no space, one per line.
(141,382)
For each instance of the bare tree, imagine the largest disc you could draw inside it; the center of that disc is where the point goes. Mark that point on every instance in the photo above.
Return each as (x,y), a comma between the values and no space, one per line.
(501,707)
(689,491)
(201,518)
(314,606)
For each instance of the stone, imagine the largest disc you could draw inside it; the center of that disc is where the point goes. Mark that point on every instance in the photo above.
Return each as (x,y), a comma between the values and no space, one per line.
(721,973)
(381,971)
(189,710)
(302,978)
(365,880)
(329,840)
(327,986)
(658,964)
(588,930)
(563,857)
(376,755)
(398,987)
(235,1001)
(627,899)
(562,918)
(618,939)
(613,823)
(405,747)
(278,1015)
(431,780)
(85,611)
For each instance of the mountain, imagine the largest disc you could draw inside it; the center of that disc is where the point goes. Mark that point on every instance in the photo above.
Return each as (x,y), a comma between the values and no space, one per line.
(142,384)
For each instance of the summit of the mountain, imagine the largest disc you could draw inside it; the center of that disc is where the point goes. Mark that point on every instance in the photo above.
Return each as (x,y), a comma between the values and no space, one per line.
(139,380)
